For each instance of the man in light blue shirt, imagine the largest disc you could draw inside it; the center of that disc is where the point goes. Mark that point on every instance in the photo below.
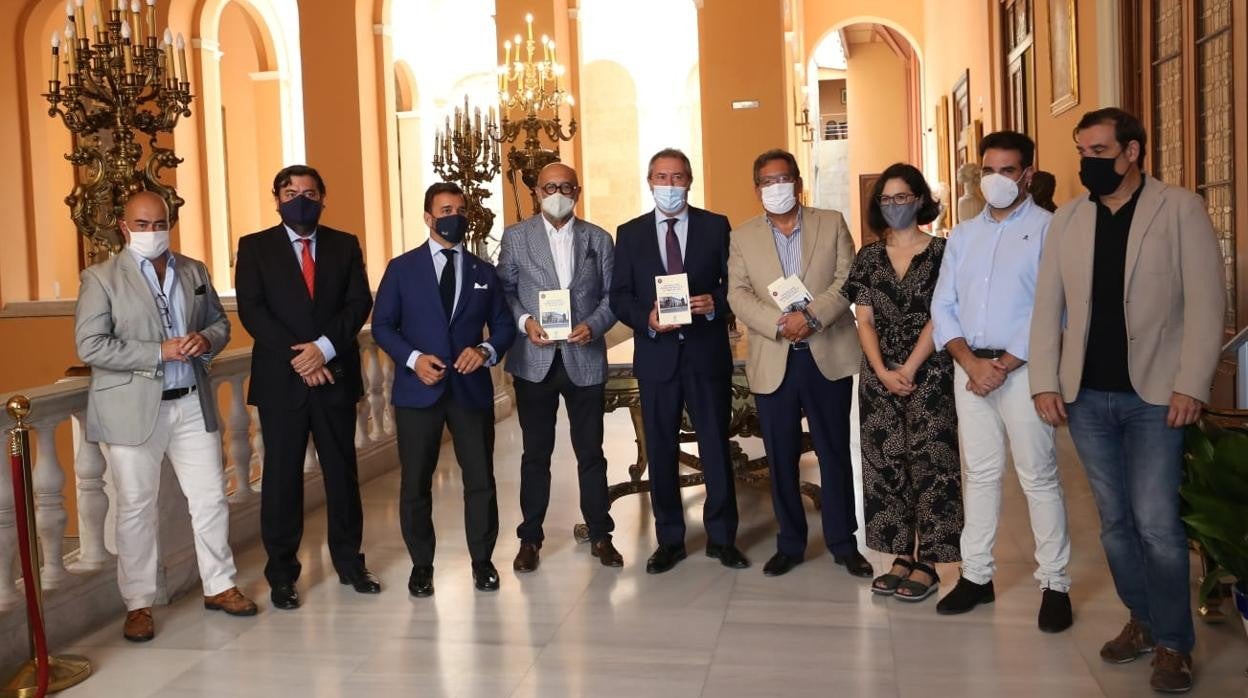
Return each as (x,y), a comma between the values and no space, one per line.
(981,313)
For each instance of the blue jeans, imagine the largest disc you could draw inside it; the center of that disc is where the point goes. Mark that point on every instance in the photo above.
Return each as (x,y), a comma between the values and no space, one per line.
(1134,464)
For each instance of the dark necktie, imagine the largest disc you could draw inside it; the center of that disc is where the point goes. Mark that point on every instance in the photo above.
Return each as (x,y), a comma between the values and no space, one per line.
(447,284)
(675,265)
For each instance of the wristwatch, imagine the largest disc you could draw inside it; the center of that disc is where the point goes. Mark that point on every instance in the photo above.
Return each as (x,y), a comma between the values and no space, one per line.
(811,322)
(485,354)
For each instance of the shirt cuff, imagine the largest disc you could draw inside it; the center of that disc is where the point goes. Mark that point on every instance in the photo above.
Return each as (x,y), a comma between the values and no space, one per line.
(710,316)
(411,360)
(520,324)
(326,347)
(493,355)
(653,334)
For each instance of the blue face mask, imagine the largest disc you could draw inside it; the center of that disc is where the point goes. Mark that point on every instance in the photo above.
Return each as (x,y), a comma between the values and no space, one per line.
(301,213)
(452,228)
(670,199)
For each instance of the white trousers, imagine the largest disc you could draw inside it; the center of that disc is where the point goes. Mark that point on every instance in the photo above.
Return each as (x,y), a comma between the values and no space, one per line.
(196,458)
(984,423)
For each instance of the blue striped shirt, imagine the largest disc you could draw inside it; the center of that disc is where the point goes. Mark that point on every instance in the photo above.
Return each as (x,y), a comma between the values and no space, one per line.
(789,247)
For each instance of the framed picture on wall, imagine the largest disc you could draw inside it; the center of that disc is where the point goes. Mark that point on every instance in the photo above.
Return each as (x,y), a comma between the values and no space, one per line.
(865,184)
(1063,55)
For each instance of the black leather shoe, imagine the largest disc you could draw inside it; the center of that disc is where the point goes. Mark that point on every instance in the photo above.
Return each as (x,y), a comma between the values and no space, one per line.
(728,556)
(780,564)
(1055,612)
(855,563)
(665,558)
(484,576)
(285,596)
(420,584)
(528,558)
(363,581)
(965,596)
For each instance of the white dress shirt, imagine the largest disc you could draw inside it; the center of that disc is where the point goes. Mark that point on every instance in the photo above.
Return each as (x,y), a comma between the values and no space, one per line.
(682,232)
(439,266)
(560,240)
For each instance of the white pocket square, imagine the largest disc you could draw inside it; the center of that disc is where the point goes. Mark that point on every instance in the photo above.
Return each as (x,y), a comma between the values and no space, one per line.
(480,287)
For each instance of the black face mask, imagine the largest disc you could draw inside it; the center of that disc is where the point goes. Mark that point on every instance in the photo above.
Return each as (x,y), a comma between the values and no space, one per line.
(1099,175)
(300,213)
(452,228)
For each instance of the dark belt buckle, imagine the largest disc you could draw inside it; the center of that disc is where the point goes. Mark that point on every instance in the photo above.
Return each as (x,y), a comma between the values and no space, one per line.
(799,346)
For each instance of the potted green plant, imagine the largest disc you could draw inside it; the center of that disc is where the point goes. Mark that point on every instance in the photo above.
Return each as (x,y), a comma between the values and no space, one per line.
(1215,498)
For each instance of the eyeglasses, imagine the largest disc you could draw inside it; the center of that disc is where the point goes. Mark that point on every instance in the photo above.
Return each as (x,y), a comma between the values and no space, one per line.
(162,303)
(565,188)
(776,179)
(896,199)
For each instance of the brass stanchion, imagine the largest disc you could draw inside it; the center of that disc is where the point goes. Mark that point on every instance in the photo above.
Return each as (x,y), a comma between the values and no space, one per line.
(43,673)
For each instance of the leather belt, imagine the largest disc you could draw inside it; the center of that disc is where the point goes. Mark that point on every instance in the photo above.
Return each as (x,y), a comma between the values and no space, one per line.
(799,346)
(177,393)
(988,353)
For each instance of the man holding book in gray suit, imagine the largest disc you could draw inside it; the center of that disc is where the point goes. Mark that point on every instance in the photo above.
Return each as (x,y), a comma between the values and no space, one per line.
(542,258)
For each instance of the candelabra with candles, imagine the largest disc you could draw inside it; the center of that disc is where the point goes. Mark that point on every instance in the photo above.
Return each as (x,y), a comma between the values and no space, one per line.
(121,81)
(464,152)
(531,86)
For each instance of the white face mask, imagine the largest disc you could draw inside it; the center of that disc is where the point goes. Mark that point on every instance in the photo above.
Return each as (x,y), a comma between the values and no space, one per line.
(150,245)
(558,206)
(779,198)
(999,191)
(670,199)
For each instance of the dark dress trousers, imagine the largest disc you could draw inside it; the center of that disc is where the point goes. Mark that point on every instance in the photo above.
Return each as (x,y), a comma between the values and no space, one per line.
(409,317)
(277,311)
(690,369)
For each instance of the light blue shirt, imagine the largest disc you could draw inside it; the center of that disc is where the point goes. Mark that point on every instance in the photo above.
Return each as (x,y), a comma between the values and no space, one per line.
(172,311)
(326,347)
(987,283)
(439,266)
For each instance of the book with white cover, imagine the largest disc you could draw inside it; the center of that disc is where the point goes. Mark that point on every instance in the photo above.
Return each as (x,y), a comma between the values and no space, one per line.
(672,292)
(554,312)
(790,293)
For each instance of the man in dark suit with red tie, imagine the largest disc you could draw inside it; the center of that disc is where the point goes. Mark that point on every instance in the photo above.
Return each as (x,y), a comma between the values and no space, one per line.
(432,307)
(303,295)
(681,367)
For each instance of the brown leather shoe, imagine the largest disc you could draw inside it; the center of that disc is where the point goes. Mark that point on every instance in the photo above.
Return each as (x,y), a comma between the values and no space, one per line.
(139,626)
(1133,642)
(232,602)
(1172,671)
(606,553)
(527,559)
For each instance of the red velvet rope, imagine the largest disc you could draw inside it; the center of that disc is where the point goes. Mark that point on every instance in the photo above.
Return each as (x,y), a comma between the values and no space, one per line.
(33,616)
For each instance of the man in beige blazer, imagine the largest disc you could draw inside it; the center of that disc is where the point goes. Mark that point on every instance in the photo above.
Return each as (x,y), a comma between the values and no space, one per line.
(802,357)
(1124,341)
(148,322)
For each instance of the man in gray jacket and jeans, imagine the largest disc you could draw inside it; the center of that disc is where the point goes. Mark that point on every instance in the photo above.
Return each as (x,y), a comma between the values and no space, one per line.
(550,252)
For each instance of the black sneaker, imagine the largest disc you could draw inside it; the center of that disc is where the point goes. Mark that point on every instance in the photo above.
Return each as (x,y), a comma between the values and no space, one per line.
(1055,613)
(965,596)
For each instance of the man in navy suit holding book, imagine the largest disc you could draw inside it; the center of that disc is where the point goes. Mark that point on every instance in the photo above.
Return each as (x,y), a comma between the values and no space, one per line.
(432,307)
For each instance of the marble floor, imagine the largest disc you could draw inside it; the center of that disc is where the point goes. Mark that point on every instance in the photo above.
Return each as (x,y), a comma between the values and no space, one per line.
(574,628)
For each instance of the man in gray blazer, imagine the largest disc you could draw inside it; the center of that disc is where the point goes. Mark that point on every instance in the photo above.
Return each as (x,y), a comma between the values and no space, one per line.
(148,322)
(549,252)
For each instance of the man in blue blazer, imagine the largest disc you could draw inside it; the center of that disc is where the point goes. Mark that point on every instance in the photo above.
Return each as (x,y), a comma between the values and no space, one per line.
(677,367)
(432,306)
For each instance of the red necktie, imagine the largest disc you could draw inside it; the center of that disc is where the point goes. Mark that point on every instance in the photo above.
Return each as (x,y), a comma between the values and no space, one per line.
(675,265)
(309,265)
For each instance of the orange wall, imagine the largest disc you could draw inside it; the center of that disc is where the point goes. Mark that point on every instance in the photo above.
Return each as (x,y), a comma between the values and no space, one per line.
(876,80)
(14,269)
(743,61)
(821,16)
(1055,149)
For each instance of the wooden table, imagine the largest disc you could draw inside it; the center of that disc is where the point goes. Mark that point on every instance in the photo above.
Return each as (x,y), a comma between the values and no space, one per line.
(622,392)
